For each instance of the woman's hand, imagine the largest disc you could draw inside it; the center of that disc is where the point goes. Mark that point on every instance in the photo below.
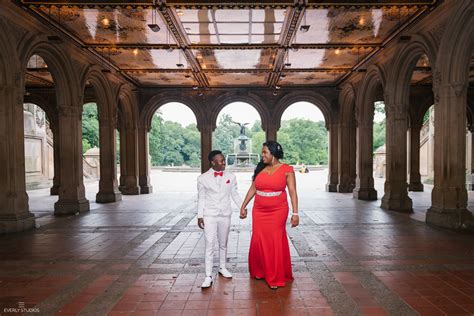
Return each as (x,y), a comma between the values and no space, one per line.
(295,220)
(243,213)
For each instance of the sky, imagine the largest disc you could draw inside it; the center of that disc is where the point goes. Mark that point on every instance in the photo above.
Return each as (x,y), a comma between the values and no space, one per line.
(240,112)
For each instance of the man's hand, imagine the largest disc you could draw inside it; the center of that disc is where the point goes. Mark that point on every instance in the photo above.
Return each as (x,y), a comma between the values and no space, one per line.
(201,223)
(243,213)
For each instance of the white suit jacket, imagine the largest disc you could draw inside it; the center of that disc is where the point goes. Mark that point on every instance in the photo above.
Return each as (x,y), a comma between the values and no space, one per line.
(214,194)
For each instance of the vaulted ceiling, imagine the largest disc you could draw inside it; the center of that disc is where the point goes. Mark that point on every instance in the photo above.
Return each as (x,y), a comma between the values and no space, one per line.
(206,44)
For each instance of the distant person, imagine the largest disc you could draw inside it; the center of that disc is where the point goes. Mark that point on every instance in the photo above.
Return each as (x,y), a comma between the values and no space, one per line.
(215,189)
(269,254)
(304,169)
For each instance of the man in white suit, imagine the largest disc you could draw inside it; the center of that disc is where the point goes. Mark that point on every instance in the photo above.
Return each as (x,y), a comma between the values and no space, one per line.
(215,189)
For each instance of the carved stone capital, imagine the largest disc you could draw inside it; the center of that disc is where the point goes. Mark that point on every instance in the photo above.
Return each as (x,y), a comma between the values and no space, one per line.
(70,111)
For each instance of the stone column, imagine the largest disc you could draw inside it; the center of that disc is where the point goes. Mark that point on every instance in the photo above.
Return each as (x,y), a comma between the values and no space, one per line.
(344,159)
(415,184)
(449,195)
(364,189)
(470,163)
(396,188)
(144,162)
(353,156)
(14,210)
(57,173)
(72,196)
(108,187)
(333,156)
(271,132)
(129,165)
(206,146)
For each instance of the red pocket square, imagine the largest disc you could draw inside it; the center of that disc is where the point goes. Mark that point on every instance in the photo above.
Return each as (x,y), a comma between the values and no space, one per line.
(228,181)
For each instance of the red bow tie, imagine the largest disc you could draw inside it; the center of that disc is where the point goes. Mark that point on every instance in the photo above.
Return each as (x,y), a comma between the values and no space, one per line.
(220,173)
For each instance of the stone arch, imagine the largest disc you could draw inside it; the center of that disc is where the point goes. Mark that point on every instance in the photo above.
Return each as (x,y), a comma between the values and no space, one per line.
(46,106)
(126,100)
(159,100)
(228,98)
(374,78)
(403,65)
(315,98)
(457,46)
(347,99)
(101,88)
(62,71)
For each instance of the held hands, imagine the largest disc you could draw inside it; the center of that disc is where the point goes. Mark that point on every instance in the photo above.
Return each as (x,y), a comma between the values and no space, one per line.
(243,213)
(295,220)
(201,223)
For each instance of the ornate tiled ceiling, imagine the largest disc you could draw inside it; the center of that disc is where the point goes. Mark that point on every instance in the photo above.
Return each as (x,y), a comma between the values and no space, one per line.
(215,44)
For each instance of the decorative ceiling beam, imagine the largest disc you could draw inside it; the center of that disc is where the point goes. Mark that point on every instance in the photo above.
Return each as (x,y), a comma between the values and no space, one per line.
(288,32)
(180,36)
(173,70)
(236,46)
(231,5)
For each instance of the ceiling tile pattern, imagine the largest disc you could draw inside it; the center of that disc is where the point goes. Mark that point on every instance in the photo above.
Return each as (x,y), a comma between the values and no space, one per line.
(212,44)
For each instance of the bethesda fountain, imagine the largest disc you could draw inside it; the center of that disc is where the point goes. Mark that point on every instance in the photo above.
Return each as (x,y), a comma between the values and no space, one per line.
(242,155)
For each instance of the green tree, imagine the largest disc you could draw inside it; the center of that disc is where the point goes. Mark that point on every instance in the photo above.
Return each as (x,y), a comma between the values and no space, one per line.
(90,127)
(304,141)
(224,134)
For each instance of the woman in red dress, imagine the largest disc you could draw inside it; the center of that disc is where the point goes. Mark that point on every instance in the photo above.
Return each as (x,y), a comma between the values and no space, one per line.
(269,254)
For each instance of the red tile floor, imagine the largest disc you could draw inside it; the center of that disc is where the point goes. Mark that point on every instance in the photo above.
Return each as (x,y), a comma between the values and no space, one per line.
(144,256)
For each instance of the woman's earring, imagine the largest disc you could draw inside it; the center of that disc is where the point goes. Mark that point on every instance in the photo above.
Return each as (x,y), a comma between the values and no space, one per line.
(273,159)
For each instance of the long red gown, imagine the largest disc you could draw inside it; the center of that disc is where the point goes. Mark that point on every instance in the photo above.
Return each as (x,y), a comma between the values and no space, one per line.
(269,255)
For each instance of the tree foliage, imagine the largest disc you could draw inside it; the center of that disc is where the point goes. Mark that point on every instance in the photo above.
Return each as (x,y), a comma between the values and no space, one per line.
(303,141)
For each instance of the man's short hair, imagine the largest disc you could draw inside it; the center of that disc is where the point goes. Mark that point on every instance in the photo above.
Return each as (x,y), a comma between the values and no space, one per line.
(214,153)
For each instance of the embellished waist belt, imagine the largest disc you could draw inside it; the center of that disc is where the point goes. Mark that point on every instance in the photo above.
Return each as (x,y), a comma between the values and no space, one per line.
(262,193)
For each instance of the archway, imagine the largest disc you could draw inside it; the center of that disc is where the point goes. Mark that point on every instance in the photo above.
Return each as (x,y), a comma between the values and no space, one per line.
(174,148)
(304,138)
(239,135)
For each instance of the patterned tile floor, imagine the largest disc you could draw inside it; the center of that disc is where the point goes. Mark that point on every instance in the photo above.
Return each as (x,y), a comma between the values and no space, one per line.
(144,256)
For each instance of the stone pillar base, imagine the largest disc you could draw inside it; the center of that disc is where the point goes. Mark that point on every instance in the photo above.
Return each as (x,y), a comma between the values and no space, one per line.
(54,190)
(402,205)
(345,188)
(455,219)
(14,223)
(129,190)
(331,187)
(71,207)
(146,189)
(108,197)
(416,187)
(365,194)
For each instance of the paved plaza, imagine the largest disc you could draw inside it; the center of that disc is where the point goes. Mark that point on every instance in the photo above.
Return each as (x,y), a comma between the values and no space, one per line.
(144,256)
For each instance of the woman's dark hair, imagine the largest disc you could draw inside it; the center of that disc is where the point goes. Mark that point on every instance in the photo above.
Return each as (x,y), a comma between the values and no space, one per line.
(275,149)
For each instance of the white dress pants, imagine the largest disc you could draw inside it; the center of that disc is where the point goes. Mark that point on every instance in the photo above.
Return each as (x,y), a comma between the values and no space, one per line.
(216,228)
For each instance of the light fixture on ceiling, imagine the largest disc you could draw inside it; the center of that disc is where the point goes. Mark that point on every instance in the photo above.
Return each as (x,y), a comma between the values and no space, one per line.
(282,76)
(338,51)
(195,87)
(187,76)
(361,20)
(180,65)
(180,13)
(200,93)
(135,51)
(277,87)
(153,25)
(275,93)
(305,26)
(105,22)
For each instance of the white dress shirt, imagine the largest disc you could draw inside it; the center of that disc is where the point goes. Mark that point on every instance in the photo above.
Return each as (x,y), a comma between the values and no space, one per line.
(214,194)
